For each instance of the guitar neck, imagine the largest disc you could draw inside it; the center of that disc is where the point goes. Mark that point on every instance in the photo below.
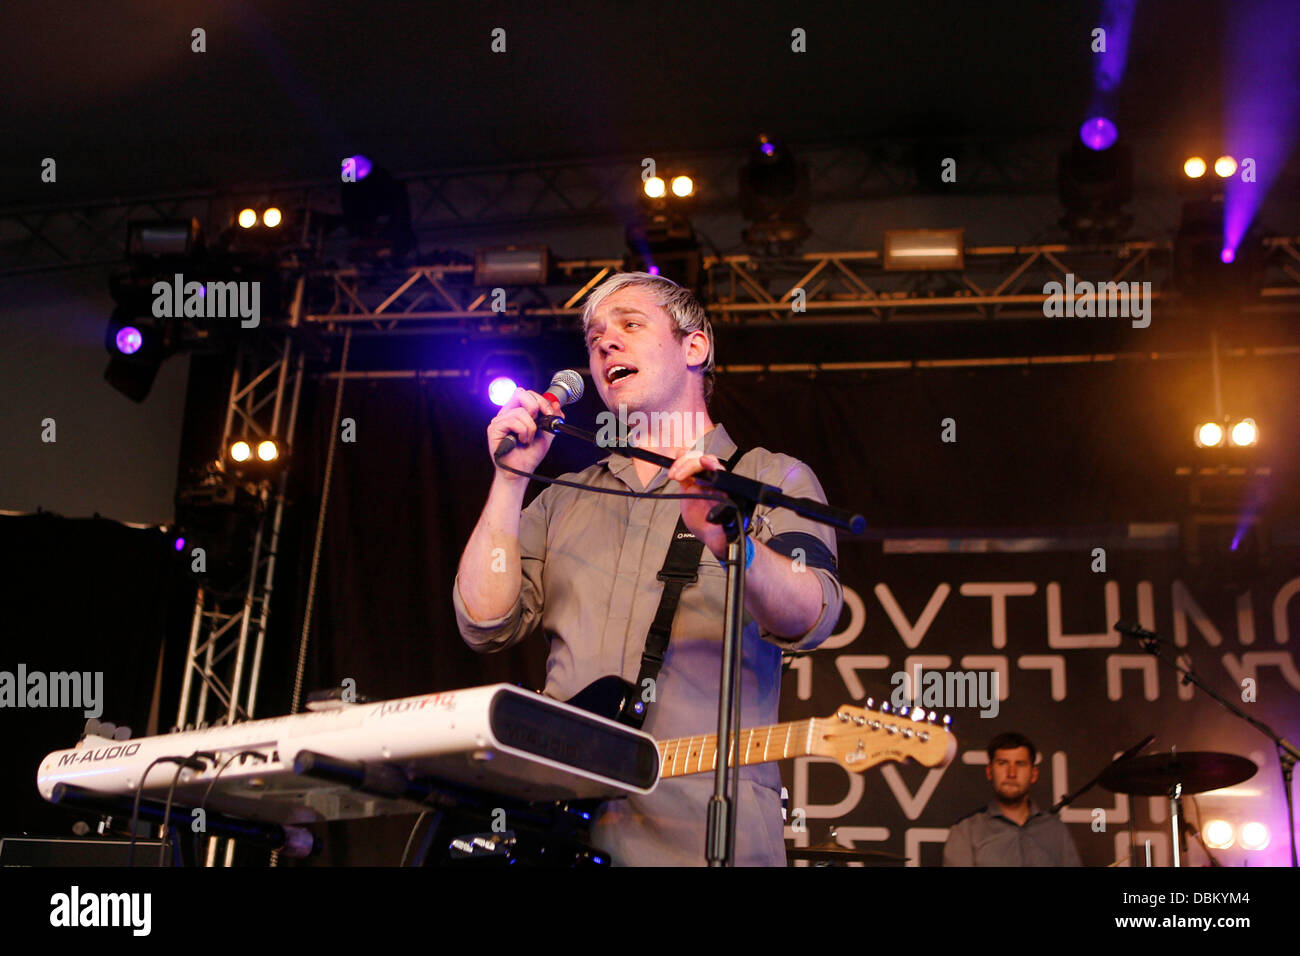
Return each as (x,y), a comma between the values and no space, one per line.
(684,755)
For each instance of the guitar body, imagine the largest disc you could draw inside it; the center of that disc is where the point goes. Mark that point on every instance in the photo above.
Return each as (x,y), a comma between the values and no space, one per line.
(610,697)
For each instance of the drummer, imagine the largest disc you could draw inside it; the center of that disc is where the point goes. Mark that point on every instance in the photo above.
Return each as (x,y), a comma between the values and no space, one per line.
(1012,830)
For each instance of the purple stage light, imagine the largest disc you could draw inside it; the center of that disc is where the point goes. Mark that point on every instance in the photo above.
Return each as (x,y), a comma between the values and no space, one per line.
(500,390)
(180,543)
(653,270)
(1098,133)
(1227,255)
(128,340)
(359,165)
(768,149)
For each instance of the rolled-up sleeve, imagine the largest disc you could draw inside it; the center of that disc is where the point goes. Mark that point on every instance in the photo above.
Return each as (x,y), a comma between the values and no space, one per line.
(498,633)
(811,544)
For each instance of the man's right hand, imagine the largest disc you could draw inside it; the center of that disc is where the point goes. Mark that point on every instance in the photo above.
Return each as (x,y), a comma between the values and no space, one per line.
(517,417)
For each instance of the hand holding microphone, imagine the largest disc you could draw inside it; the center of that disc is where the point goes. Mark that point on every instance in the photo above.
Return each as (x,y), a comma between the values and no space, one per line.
(513,435)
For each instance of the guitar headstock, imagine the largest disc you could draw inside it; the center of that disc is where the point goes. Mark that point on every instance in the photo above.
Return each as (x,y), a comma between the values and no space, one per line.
(861,737)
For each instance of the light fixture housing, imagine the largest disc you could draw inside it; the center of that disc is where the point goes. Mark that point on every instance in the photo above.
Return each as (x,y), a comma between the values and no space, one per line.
(924,250)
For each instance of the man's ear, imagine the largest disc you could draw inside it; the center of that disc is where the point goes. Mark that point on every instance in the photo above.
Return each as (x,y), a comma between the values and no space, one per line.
(697,348)
(1033,774)
(988,771)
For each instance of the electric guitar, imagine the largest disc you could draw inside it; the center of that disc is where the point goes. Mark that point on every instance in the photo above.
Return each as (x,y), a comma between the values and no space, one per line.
(856,737)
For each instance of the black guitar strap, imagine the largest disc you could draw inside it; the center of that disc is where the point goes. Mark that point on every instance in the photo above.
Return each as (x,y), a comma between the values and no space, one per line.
(681,567)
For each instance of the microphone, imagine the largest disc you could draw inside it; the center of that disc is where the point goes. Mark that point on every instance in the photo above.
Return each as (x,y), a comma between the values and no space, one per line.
(566,387)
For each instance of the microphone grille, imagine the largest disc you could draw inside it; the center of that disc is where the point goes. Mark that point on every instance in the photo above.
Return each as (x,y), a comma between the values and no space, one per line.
(571,382)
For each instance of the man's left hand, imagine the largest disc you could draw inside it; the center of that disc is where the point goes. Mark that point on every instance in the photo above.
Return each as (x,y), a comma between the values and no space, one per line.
(695,511)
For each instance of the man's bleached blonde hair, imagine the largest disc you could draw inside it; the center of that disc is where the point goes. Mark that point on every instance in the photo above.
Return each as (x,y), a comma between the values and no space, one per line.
(680,303)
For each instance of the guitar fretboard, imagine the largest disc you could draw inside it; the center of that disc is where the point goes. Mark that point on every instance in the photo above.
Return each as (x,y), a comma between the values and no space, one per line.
(685,755)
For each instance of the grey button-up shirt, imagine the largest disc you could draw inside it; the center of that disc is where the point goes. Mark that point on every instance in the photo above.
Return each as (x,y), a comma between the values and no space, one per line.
(590,566)
(989,838)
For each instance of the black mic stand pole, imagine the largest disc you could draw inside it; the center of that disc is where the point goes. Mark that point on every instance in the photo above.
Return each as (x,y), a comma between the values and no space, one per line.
(745,494)
(1287,754)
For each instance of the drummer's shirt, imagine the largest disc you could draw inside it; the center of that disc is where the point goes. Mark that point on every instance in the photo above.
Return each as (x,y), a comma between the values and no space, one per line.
(590,563)
(989,838)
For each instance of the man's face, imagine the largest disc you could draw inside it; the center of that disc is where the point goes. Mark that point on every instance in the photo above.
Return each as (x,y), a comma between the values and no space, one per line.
(1012,773)
(630,329)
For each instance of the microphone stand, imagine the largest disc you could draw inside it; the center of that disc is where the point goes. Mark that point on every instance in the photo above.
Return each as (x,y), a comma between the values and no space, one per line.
(745,495)
(1287,753)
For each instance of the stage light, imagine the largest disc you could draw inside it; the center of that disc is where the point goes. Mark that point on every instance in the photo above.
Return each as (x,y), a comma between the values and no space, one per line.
(1219,272)
(136,350)
(1098,133)
(1209,435)
(268,450)
(683,186)
(774,197)
(241,451)
(1254,836)
(272,217)
(248,218)
(654,187)
(150,240)
(512,265)
(1225,166)
(377,214)
(501,389)
(924,249)
(1244,433)
(1217,834)
(128,340)
(179,543)
(498,374)
(1194,167)
(1094,186)
(356,167)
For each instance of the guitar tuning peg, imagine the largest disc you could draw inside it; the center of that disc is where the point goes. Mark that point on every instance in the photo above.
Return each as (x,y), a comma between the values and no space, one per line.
(884,708)
(947,721)
(871,703)
(932,717)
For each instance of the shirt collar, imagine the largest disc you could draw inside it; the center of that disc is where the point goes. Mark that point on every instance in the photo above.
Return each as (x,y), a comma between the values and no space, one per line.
(995,810)
(715,441)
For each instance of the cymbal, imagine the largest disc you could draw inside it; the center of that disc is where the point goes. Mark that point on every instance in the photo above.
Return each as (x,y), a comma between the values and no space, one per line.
(832,852)
(1197,770)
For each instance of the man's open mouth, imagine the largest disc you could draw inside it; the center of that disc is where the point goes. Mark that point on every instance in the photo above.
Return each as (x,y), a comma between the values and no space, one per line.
(618,372)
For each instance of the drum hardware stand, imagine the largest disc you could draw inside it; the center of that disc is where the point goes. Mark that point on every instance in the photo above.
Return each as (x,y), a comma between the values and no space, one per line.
(1286,751)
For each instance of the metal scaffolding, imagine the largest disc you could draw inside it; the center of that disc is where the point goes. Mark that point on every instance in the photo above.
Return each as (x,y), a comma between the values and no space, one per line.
(852,286)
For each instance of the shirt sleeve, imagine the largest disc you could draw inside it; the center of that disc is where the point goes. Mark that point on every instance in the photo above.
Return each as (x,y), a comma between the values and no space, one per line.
(958,851)
(810,544)
(496,634)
